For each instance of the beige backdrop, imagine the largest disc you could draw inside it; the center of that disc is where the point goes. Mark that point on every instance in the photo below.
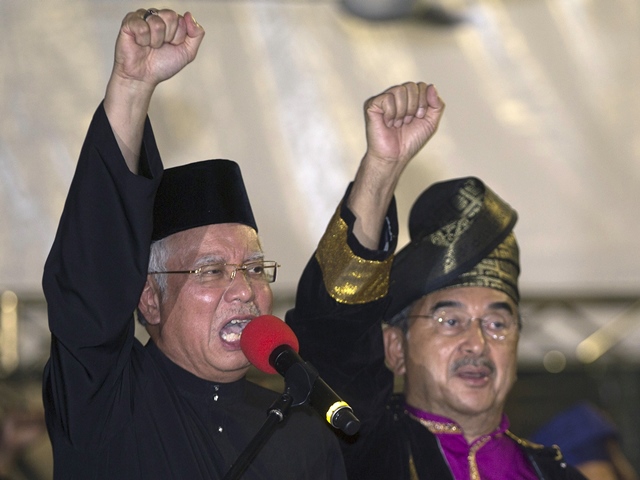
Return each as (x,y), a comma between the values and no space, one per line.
(543,102)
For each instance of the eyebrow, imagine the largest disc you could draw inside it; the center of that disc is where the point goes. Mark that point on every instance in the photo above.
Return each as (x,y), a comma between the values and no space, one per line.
(446,304)
(217,259)
(254,257)
(456,304)
(208,260)
(502,306)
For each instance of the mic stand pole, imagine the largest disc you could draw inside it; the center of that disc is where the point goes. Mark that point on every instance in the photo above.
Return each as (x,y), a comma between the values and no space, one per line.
(276,414)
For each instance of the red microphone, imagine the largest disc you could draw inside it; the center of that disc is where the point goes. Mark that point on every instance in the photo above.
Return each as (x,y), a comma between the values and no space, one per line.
(262,336)
(272,347)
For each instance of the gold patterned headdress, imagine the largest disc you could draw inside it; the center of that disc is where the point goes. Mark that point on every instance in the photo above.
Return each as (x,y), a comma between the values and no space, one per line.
(461,235)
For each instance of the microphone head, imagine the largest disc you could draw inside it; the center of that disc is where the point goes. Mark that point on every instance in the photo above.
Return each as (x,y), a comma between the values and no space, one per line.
(262,336)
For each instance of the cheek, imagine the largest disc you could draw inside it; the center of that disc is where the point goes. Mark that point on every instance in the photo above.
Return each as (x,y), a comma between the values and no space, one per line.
(429,357)
(508,367)
(192,306)
(264,300)
(199,302)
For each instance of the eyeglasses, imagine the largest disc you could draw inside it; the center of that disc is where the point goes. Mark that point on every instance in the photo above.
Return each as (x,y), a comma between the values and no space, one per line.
(450,323)
(220,275)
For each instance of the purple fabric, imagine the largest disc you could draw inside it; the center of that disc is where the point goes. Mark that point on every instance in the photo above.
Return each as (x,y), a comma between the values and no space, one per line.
(496,455)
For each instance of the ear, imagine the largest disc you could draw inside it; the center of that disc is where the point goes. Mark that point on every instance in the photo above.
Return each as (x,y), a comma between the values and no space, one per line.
(393,338)
(149,304)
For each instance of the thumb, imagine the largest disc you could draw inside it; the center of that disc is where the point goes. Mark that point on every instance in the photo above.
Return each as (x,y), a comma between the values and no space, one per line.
(195,33)
(435,107)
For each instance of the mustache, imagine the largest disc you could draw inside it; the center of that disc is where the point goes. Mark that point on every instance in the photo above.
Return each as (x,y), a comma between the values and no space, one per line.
(242,310)
(473,361)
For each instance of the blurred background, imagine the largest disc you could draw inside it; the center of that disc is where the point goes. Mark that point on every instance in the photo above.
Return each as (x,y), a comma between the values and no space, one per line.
(542,103)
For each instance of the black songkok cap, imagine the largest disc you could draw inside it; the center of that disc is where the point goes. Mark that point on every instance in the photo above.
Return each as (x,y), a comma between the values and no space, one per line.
(461,235)
(200,193)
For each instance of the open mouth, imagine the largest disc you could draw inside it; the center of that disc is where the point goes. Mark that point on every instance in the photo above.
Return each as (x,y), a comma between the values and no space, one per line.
(473,373)
(232,331)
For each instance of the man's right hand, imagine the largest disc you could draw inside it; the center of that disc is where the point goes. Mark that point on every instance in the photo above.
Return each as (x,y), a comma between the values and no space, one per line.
(155,49)
(148,51)
(399,122)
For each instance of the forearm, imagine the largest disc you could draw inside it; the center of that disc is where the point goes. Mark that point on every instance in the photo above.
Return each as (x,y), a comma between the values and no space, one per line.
(399,122)
(126,105)
(370,198)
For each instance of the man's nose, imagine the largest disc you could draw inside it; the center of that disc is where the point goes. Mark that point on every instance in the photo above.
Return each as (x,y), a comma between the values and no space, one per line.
(475,339)
(240,287)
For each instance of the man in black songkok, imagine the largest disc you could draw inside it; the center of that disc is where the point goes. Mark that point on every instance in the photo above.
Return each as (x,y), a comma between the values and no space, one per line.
(181,247)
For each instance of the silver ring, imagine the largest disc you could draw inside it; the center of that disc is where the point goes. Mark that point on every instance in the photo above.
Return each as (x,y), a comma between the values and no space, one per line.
(148,13)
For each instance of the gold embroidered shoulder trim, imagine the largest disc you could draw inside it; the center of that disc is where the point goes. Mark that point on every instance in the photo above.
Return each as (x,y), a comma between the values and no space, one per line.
(523,442)
(437,427)
(348,278)
(529,444)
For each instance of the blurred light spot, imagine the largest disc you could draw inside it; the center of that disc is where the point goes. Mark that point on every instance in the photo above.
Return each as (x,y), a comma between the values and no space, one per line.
(8,333)
(554,361)
(589,350)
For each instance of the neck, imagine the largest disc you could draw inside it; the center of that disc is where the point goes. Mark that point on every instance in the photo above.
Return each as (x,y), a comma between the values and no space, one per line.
(473,425)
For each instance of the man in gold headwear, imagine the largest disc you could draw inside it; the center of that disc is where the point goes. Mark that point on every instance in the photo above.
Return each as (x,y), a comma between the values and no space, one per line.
(449,305)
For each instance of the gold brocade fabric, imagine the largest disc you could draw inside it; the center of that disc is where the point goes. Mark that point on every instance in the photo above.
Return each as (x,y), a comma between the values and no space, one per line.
(499,270)
(468,201)
(461,235)
(348,278)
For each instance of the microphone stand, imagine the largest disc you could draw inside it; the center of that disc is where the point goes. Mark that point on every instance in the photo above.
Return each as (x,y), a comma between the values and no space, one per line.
(298,385)
(276,414)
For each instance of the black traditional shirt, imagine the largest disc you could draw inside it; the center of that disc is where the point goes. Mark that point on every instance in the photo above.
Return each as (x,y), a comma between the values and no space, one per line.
(116,409)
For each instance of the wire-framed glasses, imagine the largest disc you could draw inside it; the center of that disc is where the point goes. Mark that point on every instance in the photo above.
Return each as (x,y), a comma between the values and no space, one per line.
(220,275)
(452,322)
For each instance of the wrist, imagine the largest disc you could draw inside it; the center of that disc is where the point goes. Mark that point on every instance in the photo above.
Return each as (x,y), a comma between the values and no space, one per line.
(128,94)
(376,180)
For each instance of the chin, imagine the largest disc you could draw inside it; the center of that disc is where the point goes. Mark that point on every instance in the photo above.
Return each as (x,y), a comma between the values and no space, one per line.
(474,404)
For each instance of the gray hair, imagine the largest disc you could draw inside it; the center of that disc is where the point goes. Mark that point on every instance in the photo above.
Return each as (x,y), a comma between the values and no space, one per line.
(158,256)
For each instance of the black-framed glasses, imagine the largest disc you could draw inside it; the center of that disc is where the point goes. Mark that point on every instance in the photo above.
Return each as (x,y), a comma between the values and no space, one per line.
(220,275)
(452,322)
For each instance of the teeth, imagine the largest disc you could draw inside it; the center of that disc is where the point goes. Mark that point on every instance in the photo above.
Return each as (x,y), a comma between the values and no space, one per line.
(231,337)
(232,331)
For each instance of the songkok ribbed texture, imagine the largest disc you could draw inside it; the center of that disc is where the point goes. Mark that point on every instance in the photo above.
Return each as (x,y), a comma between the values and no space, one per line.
(198,194)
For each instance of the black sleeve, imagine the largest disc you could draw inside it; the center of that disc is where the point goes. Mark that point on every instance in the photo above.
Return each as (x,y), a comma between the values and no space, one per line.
(337,316)
(92,282)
